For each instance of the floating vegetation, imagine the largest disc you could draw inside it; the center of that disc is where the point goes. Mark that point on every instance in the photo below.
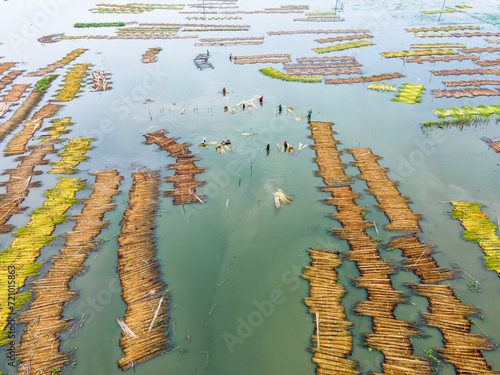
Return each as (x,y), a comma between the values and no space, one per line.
(324,59)
(476,82)
(343,46)
(424,52)
(438,45)
(201,62)
(338,31)
(280,195)
(25,109)
(147,312)
(150,55)
(99,24)
(73,81)
(456,72)
(341,38)
(40,346)
(390,200)
(57,129)
(440,11)
(420,60)
(16,92)
(459,124)
(134,8)
(184,181)
(409,93)
(442,28)
(467,111)
(265,59)
(271,72)
(374,78)
(58,64)
(99,81)
(25,248)
(390,336)
(486,63)
(381,87)
(480,229)
(73,154)
(480,50)
(19,183)
(17,145)
(494,145)
(332,340)
(460,93)
(43,84)
(9,78)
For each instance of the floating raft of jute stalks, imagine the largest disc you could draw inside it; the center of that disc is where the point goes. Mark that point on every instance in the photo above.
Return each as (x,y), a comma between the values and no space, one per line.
(147,312)
(486,63)
(40,346)
(9,78)
(150,56)
(390,200)
(391,336)
(420,60)
(375,78)
(332,340)
(447,312)
(16,92)
(349,64)
(460,93)
(480,229)
(456,72)
(19,183)
(22,112)
(28,242)
(73,81)
(58,64)
(494,145)
(17,145)
(99,81)
(342,38)
(184,181)
(57,129)
(480,50)
(4,108)
(73,154)
(6,66)
(337,31)
(324,59)
(268,58)
(324,72)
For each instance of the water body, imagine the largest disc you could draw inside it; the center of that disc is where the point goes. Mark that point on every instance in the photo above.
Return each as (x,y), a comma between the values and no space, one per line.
(232,265)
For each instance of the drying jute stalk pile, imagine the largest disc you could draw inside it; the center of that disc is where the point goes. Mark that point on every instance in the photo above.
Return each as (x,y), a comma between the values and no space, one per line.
(15,92)
(391,336)
(58,64)
(144,329)
(39,349)
(332,341)
(185,184)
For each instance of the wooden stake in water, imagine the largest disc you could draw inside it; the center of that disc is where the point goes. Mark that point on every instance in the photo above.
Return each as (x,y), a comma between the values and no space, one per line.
(239,180)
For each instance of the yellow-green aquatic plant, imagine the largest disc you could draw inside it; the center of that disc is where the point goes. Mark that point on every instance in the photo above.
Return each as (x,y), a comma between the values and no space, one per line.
(271,72)
(480,229)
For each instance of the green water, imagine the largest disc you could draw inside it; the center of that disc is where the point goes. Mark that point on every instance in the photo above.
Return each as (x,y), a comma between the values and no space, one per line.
(232,265)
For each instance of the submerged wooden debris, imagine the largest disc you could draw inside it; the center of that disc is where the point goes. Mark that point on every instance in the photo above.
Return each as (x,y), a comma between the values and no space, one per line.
(184,181)
(271,72)
(480,229)
(28,242)
(332,340)
(40,346)
(494,145)
(375,78)
(58,64)
(150,55)
(16,92)
(25,109)
(19,183)
(391,336)
(17,145)
(460,93)
(266,59)
(420,60)
(73,81)
(147,311)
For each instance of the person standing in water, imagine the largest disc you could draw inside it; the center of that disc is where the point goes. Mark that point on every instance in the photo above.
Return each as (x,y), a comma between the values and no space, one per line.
(285,146)
(224,91)
(230,57)
(309,113)
(280,108)
(268,148)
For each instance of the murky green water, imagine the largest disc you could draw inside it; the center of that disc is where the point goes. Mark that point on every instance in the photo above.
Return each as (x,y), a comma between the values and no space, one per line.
(225,261)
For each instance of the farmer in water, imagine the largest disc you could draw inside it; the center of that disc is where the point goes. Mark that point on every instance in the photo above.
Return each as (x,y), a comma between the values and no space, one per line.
(280,108)
(285,146)
(309,113)
(224,91)
(267,148)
